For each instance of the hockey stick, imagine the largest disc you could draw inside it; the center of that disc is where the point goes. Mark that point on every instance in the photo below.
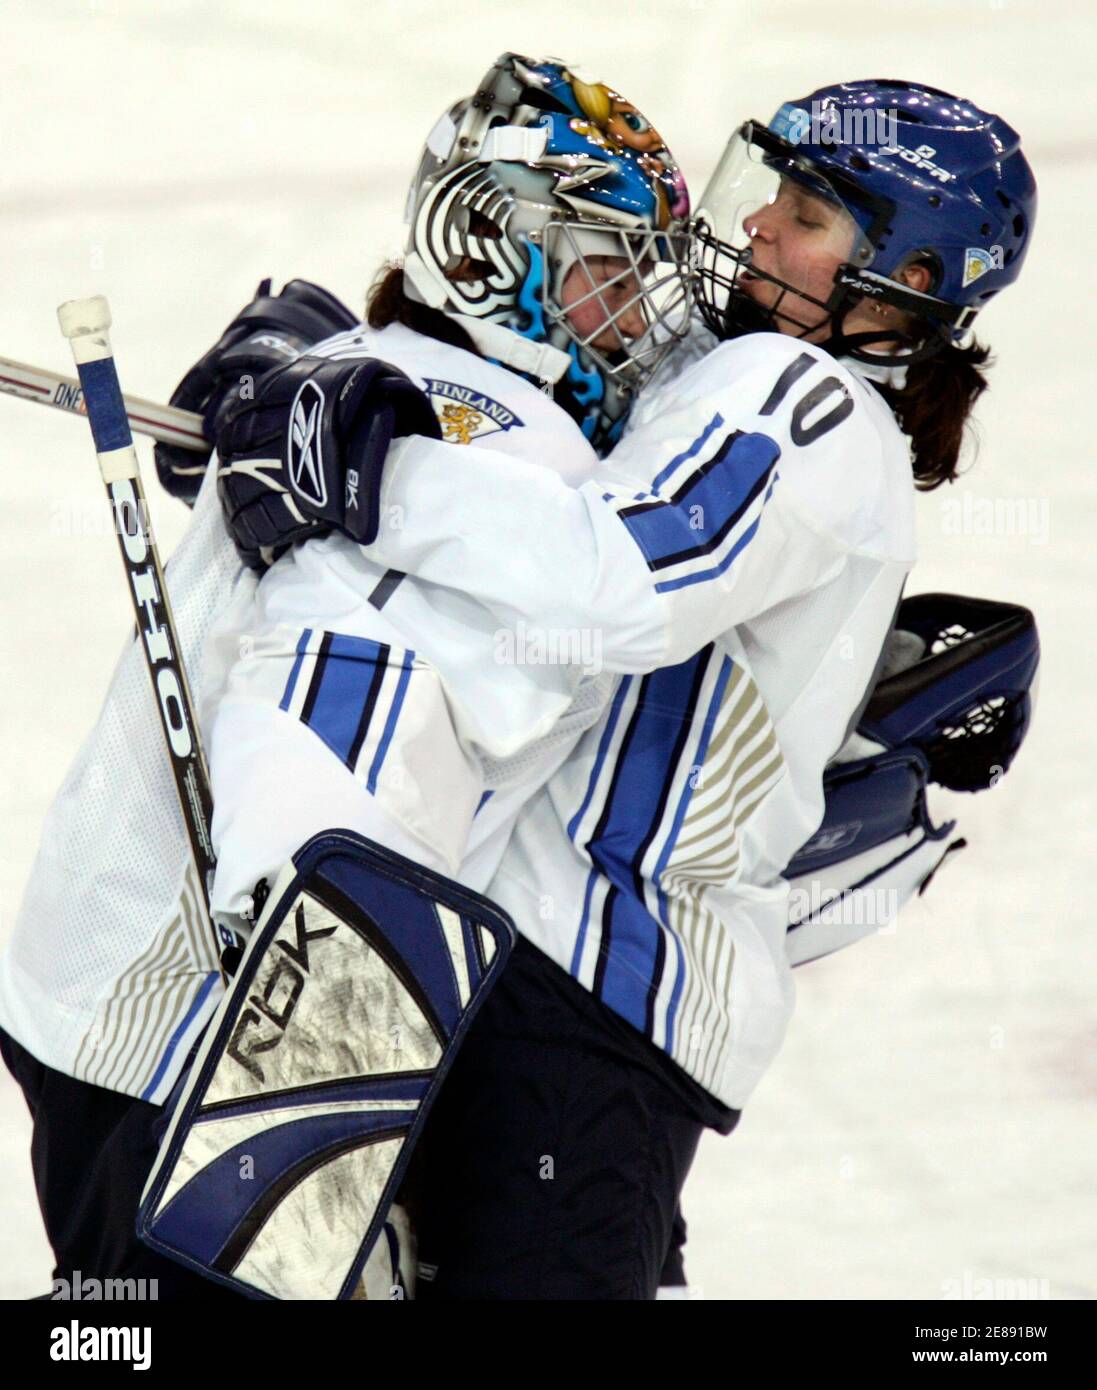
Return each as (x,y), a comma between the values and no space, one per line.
(86,324)
(164,423)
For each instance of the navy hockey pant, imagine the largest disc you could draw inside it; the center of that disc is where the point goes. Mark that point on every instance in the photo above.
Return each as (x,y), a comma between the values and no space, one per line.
(553,1160)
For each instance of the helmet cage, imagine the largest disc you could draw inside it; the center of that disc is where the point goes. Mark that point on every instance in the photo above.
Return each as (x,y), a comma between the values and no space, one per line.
(655,272)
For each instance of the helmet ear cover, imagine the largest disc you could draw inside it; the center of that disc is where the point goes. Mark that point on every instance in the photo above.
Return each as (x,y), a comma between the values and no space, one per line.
(935,320)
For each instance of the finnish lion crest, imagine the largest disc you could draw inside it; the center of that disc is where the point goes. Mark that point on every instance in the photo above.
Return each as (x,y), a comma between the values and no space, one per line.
(466,414)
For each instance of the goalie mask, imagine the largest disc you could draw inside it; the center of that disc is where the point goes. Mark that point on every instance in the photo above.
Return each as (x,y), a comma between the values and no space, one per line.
(873,177)
(548,207)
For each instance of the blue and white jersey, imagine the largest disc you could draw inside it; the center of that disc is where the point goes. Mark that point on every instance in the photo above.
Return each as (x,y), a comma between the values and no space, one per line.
(341,678)
(749,537)
(740,556)
(317,707)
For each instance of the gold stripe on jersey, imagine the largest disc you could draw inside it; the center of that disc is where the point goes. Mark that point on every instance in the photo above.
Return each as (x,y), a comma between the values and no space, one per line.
(124,1048)
(742,765)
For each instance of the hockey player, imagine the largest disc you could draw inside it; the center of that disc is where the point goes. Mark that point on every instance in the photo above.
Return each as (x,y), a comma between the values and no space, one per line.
(749,538)
(524,215)
(599,1271)
(541,254)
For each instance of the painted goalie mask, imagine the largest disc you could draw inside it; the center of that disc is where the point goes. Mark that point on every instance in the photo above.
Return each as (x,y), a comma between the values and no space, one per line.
(549,207)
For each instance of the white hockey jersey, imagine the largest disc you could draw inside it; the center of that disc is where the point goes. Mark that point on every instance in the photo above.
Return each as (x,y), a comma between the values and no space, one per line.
(749,538)
(108,975)
(676,920)
(339,693)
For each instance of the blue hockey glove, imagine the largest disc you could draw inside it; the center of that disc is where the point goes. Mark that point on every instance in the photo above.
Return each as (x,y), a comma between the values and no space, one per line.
(306,456)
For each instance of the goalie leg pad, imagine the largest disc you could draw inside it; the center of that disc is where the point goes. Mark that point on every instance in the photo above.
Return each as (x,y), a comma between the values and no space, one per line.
(294,1126)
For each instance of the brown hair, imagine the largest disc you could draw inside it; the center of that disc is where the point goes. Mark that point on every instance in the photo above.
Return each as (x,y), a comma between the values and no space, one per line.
(933,409)
(388,302)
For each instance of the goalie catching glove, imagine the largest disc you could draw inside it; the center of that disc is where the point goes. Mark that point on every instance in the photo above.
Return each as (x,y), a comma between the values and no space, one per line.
(306,455)
(271,330)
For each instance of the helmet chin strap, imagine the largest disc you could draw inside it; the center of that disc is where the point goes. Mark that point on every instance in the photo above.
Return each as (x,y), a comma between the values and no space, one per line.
(858,346)
(540,360)
(750,317)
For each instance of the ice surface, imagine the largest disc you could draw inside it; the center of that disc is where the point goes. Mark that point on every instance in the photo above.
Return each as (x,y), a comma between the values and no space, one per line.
(932,1114)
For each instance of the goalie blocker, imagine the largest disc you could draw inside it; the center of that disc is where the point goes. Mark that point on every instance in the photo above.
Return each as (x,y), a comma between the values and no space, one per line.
(292,1129)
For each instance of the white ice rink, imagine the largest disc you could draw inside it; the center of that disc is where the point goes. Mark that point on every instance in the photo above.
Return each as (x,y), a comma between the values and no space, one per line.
(932,1115)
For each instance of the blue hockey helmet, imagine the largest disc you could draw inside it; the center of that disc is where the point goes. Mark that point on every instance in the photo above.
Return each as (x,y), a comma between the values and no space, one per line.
(922,178)
(537,173)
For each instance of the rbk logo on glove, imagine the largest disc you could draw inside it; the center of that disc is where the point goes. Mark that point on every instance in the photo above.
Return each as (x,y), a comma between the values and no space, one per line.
(306,470)
(307,455)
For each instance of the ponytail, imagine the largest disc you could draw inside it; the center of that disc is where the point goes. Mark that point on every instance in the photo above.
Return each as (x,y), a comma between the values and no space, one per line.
(933,409)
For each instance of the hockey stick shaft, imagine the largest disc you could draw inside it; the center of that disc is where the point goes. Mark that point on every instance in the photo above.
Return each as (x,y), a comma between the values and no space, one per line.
(165,423)
(86,324)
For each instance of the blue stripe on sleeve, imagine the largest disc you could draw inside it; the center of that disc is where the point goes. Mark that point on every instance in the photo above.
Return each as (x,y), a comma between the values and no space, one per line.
(390,723)
(714,571)
(342,689)
(704,510)
(694,449)
(302,647)
(373,694)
